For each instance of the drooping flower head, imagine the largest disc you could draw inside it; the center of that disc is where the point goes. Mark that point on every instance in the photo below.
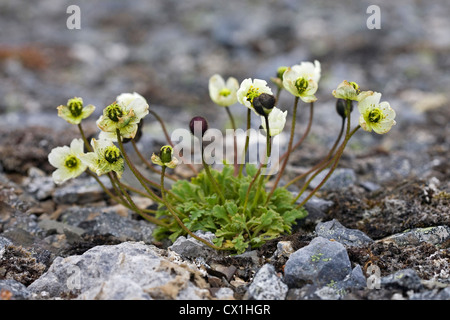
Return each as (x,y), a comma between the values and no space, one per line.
(74,111)
(277,120)
(124,114)
(67,161)
(350,91)
(250,89)
(223,93)
(302,80)
(165,157)
(264,103)
(375,116)
(105,158)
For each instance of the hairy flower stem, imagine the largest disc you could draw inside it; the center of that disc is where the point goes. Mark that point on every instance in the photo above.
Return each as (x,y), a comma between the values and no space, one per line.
(247,141)
(262,164)
(148,164)
(233,124)
(115,198)
(180,223)
(135,208)
(336,159)
(166,134)
(83,136)
(322,162)
(136,173)
(211,178)
(291,139)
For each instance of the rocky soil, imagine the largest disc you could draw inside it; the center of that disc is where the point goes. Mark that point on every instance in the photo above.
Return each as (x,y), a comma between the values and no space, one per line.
(378,230)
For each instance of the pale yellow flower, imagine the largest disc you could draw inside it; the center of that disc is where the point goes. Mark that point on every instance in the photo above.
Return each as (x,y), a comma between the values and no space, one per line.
(221,92)
(74,111)
(277,121)
(302,80)
(105,158)
(350,91)
(375,116)
(124,114)
(67,161)
(250,89)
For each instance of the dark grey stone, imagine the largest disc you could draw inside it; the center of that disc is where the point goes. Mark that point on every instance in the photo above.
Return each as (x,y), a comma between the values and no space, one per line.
(335,230)
(321,262)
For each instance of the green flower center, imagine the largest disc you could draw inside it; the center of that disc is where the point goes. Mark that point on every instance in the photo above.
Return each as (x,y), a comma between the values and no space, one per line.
(75,107)
(114,112)
(376,115)
(301,84)
(252,93)
(166,154)
(112,154)
(225,92)
(71,162)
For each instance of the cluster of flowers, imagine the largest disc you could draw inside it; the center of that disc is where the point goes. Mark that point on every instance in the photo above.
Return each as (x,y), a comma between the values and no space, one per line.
(120,121)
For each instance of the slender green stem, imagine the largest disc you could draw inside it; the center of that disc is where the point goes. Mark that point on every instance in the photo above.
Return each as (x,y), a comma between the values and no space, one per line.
(210,176)
(263,164)
(180,223)
(336,159)
(268,136)
(278,93)
(83,136)
(305,134)
(117,199)
(291,139)
(327,157)
(247,141)
(136,173)
(233,124)
(136,209)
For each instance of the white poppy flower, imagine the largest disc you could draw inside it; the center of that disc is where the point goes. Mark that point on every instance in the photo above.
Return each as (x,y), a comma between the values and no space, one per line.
(249,89)
(74,111)
(277,120)
(375,116)
(124,114)
(350,91)
(67,160)
(105,158)
(223,93)
(302,80)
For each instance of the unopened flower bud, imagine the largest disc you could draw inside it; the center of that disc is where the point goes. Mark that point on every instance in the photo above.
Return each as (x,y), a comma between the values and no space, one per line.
(264,103)
(165,154)
(280,72)
(198,124)
(341,107)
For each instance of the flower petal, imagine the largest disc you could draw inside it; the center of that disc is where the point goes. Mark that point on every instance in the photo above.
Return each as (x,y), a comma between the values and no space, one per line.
(58,156)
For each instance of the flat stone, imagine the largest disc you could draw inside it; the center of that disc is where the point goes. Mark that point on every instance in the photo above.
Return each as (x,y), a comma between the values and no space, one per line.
(130,270)
(322,261)
(335,230)
(434,235)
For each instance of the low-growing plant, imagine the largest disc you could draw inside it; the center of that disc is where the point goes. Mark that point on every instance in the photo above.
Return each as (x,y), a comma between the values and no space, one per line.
(236,202)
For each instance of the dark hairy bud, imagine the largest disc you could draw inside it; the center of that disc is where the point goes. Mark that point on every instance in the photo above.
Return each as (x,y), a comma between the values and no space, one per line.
(264,103)
(198,124)
(341,107)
